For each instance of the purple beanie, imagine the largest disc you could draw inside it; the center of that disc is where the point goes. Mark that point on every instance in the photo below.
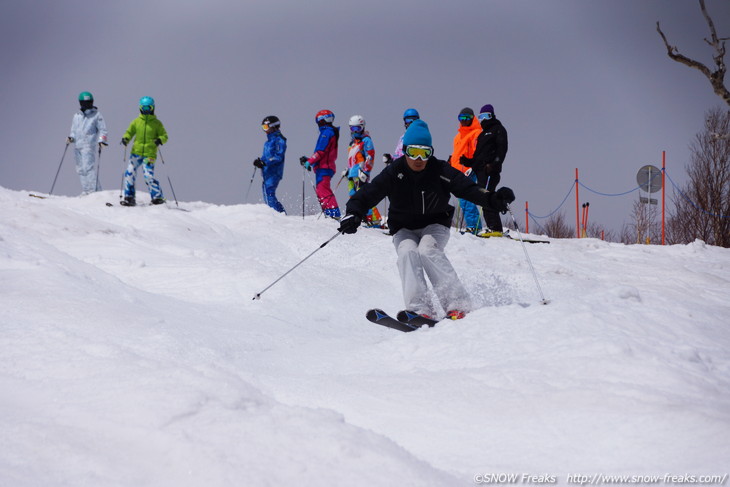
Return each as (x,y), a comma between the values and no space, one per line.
(487,108)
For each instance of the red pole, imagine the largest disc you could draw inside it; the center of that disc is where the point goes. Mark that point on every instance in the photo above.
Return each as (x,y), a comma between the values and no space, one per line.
(527,217)
(577,205)
(664,172)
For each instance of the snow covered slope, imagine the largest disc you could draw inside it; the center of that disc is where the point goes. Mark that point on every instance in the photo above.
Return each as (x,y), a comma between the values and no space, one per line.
(132,353)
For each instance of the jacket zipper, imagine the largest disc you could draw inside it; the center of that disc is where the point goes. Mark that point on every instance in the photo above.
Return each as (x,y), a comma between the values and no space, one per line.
(423,201)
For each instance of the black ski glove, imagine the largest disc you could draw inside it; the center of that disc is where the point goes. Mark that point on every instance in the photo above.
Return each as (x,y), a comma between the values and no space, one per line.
(349,223)
(387,158)
(70,140)
(259,163)
(500,200)
(465,161)
(304,161)
(158,141)
(125,141)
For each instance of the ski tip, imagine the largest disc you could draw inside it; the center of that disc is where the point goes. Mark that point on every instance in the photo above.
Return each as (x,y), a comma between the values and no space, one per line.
(256,296)
(109,204)
(545,301)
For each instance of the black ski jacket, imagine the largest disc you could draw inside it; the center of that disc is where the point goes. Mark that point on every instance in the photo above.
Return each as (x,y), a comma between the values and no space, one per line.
(417,199)
(491,149)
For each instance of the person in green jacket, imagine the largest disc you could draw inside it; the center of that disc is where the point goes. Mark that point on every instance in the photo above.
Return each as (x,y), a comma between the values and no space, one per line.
(148,133)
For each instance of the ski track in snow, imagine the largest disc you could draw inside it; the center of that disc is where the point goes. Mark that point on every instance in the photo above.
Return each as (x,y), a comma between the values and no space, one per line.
(134,354)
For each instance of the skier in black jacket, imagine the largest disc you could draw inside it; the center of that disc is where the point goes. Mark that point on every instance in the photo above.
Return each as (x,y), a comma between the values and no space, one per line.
(419,187)
(488,159)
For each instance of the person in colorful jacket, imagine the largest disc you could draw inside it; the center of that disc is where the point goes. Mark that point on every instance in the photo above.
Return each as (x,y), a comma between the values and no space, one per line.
(323,162)
(88,130)
(271,161)
(360,159)
(488,158)
(409,116)
(465,142)
(419,187)
(148,133)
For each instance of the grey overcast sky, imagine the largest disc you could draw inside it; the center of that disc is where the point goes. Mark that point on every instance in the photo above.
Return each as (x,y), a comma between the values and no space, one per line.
(578,84)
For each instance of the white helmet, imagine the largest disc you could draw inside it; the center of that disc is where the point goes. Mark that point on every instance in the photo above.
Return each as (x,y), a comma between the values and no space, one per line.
(357,121)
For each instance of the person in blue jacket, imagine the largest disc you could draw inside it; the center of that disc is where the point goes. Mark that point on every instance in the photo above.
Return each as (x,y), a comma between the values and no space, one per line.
(271,161)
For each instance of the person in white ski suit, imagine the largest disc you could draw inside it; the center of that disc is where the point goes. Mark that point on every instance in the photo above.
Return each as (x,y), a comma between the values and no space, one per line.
(88,134)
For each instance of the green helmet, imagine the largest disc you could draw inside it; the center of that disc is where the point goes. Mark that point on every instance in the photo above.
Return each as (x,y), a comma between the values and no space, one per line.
(86,96)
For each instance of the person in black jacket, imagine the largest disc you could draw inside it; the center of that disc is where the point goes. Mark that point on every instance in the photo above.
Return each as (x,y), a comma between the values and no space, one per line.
(419,187)
(488,159)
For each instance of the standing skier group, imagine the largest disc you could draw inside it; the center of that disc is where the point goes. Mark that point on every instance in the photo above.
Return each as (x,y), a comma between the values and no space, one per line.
(88,128)
(418,185)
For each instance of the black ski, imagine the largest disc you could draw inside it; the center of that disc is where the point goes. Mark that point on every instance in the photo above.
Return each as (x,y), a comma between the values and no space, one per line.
(382,318)
(150,205)
(414,319)
(510,237)
(37,196)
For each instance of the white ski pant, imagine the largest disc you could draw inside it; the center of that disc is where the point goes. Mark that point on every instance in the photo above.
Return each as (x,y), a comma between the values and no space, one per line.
(422,251)
(86,169)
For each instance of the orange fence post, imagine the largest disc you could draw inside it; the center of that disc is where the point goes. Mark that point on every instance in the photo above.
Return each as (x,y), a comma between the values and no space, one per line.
(577,205)
(664,186)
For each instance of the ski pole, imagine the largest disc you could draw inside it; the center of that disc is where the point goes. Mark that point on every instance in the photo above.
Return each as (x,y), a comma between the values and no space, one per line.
(258,295)
(59,168)
(98,168)
(314,188)
(250,183)
(124,162)
(304,176)
(159,150)
(529,262)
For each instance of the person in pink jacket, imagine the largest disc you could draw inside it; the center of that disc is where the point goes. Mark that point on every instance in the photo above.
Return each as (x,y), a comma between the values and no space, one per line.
(323,162)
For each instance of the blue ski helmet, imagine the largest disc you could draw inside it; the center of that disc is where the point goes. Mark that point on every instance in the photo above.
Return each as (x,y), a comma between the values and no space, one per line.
(411,113)
(409,116)
(146,105)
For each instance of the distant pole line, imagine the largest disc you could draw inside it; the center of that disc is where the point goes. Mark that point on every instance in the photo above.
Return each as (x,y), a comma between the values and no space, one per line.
(576,183)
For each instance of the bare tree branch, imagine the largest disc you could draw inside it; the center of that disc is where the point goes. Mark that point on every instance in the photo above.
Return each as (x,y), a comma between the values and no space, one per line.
(717,77)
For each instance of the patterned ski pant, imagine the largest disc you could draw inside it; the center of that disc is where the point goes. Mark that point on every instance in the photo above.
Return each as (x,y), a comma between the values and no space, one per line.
(148,166)
(86,169)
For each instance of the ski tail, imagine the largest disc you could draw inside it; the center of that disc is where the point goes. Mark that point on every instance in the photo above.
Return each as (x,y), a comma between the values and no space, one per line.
(380,317)
(414,319)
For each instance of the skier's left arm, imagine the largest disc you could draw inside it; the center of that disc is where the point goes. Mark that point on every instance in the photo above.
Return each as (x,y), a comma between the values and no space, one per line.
(162,134)
(275,153)
(368,153)
(101,129)
(500,149)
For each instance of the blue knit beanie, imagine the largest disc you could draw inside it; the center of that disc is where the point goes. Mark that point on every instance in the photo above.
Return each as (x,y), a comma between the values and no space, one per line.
(417,134)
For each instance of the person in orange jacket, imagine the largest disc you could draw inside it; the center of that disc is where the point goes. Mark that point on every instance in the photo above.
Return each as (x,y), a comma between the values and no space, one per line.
(465,142)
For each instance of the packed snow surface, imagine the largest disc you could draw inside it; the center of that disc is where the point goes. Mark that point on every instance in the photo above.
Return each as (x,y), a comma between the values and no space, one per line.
(133,354)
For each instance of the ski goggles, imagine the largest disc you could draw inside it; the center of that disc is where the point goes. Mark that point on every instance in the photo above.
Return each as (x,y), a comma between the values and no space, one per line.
(326,118)
(422,152)
(409,120)
(465,117)
(485,116)
(146,109)
(267,126)
(357,129)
